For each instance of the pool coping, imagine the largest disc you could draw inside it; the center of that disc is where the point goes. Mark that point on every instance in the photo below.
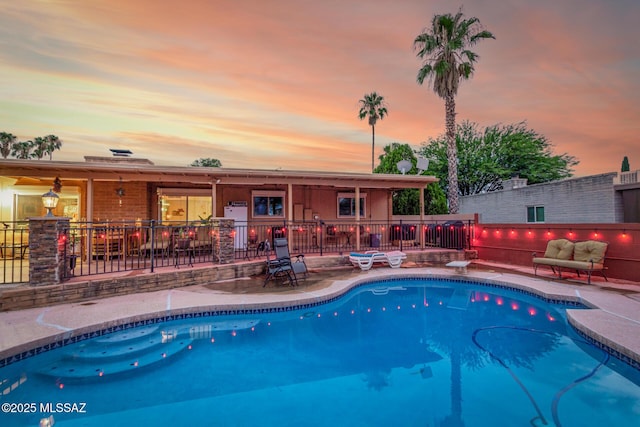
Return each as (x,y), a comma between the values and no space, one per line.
(612,323)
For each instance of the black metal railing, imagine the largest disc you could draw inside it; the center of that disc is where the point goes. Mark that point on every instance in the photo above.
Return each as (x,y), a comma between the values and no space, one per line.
(98,248)
(108,247)
(320,237)
(14,251)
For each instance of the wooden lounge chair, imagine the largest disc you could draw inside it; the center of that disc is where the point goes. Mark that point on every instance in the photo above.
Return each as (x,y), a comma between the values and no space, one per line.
(366,260)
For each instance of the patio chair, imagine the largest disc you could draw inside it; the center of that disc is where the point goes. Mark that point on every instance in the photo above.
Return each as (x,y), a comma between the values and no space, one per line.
(184,247)
(282,265)
(160,245)
(365,239)
(366,260)
(331,237)
(279,268)
(252,246)
(281,248)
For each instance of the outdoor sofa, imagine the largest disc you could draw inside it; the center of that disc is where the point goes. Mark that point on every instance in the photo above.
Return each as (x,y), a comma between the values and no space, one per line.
(582,256)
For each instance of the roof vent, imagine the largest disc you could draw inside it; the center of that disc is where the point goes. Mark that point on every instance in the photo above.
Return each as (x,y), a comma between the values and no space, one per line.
(120,153)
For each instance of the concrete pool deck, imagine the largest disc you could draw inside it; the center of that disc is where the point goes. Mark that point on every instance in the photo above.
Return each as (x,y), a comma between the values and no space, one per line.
(614,319)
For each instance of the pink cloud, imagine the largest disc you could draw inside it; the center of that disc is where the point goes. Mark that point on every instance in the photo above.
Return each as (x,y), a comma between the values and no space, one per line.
(260,82)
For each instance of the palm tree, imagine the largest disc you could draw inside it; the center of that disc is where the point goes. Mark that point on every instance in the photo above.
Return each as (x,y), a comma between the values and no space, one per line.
(52,143)
(374,107)
(6,142)
(446,61)
(39,147)
(22,149)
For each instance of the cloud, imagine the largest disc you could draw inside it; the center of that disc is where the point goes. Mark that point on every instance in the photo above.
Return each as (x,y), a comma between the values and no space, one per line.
(263,83)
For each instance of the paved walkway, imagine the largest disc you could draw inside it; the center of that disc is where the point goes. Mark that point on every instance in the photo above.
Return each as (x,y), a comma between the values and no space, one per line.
(614,319)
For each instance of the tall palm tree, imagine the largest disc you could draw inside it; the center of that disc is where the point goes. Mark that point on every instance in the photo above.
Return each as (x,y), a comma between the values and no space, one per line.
(374,107)
(6,142)
(444,49)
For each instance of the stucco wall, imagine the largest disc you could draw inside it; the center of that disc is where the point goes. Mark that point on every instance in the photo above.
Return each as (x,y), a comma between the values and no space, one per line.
(590,199)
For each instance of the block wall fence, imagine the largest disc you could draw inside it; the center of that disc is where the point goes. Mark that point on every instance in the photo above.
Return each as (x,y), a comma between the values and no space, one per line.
(515,243)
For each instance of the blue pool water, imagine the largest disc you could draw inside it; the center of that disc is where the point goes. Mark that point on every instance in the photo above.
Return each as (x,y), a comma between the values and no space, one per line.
(395,353)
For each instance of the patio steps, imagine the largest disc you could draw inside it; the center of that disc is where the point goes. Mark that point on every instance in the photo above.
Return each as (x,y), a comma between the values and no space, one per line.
(117,353)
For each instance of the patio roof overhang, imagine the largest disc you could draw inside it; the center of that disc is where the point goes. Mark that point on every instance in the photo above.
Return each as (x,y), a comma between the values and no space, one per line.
(44,169)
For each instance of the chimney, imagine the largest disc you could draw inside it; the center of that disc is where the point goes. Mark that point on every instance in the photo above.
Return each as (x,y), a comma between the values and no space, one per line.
(514,182)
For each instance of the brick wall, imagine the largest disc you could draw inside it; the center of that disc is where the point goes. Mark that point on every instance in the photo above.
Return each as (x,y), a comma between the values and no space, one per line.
(106,203)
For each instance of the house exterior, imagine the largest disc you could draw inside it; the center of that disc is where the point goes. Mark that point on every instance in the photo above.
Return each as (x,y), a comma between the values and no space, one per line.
(317,211)
(127,189)
(592,199)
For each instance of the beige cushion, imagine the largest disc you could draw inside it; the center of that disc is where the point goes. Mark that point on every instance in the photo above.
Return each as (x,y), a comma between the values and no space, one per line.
(590,250)
(576,265)
(559,249)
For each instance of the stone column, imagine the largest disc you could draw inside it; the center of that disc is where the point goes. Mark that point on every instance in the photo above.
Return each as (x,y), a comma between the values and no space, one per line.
(48,244)
(224,244)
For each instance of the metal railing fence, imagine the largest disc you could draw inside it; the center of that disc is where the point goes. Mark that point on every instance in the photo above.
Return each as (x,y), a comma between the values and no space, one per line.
(108,247)
(14,251)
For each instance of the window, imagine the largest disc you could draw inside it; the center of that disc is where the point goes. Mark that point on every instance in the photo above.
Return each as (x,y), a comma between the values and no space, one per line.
(268,204)
(184,205)
(28,205)
(535,213)
(347,205)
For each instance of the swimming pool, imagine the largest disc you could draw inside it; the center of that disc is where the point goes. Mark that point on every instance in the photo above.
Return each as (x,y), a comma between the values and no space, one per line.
(397,352)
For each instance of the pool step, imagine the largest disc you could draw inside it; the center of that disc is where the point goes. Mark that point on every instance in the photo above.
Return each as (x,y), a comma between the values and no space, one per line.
(116,350)
(128,334)
(117,353)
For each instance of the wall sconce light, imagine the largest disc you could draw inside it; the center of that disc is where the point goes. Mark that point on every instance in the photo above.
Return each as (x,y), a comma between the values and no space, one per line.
(50,201)
(120,192)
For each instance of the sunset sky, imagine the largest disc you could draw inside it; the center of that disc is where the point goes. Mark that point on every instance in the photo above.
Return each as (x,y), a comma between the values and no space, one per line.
(275,83)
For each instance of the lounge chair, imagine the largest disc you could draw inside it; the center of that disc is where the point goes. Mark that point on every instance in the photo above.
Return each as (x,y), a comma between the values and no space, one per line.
(366,260)
(282,265)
